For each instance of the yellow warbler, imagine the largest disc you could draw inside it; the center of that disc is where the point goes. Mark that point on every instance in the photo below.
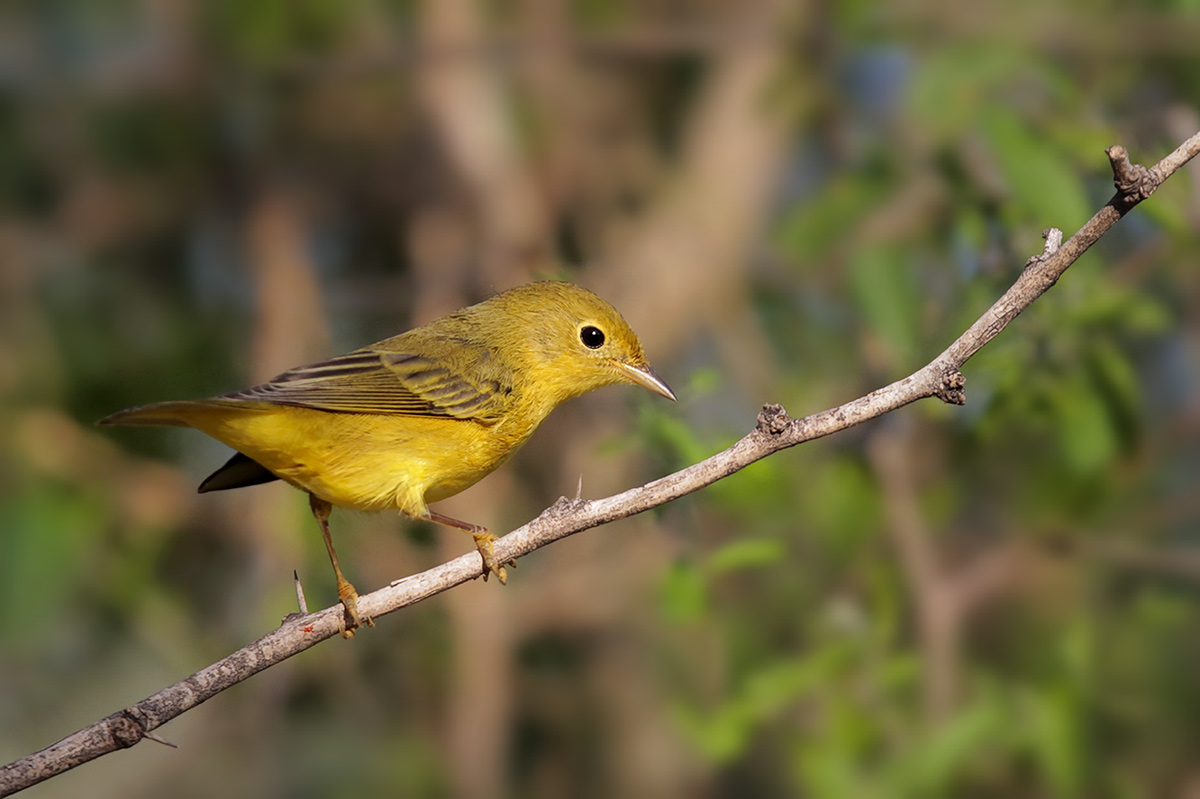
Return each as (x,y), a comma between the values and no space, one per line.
(420,416)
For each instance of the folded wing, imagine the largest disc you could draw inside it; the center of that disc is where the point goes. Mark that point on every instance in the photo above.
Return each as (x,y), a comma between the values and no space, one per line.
(467,386)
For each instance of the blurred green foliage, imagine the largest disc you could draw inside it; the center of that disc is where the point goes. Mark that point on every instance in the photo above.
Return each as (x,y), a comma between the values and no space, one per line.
(783,639)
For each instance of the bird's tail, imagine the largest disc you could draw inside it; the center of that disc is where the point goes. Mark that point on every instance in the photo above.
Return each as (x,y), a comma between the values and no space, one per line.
(177,414)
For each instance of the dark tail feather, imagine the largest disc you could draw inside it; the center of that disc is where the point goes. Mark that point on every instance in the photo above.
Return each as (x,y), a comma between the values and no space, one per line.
(238,472)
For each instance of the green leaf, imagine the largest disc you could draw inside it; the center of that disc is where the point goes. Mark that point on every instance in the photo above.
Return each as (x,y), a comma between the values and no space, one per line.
(951,89)
(1043,185)
(951,747)
(1055,740)
(683,594)
(1086,435)
(841,502)
(812,229)
(48,538)
(724,734)
(886,290)
(746,554)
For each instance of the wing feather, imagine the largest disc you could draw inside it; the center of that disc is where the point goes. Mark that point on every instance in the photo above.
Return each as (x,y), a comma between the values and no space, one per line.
(378,381)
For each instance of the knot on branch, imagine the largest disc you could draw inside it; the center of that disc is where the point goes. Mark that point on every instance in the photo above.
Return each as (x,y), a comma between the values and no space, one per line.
(952,388)
(1134,182)
(126,730)
(773,419)
(563,506)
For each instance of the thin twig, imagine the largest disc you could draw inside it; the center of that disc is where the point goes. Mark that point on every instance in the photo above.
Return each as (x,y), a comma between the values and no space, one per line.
(301,602)
(775,431)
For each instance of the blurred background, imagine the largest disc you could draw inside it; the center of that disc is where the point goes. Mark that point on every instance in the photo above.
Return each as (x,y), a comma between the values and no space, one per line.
(791,202)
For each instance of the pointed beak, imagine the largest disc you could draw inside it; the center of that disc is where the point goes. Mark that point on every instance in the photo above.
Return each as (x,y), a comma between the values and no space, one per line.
(645,377)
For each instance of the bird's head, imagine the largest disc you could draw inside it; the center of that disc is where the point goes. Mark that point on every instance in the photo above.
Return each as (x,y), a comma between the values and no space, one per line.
(572,341)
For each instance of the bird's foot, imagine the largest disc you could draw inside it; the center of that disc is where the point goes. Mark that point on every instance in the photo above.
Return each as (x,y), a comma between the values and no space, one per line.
(352,619)
(485,542)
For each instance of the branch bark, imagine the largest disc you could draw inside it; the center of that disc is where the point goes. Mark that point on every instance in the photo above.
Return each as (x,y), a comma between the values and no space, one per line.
(774,431)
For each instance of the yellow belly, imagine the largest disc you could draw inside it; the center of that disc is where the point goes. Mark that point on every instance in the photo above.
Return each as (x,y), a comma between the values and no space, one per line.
(361,461)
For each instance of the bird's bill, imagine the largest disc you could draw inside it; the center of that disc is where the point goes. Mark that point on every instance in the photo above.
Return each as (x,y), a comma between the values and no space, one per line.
(645,377)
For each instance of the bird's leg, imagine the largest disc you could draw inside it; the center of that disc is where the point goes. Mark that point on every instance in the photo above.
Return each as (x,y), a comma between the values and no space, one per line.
(346,592)
(485,542)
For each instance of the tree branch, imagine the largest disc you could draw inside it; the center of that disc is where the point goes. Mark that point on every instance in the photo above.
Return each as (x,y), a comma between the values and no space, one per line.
(774,431)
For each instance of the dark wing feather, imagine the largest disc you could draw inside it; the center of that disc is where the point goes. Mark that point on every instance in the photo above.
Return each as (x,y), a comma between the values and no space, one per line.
(448,390)
(383,382)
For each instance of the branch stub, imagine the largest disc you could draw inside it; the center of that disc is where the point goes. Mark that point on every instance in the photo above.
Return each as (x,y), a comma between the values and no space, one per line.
(773,419)
(952,388)
(1134,182)
(126,730)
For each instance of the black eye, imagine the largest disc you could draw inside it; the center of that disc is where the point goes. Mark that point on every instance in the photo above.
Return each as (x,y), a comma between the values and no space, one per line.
(592,337)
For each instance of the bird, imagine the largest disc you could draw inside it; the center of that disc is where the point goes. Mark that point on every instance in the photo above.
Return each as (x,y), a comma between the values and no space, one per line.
(418,417)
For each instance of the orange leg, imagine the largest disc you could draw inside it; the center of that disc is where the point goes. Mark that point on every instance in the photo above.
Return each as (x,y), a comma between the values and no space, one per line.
(484,541)
(346,592)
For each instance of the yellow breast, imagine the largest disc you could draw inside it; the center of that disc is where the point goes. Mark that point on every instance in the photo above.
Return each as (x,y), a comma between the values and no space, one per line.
(364,461)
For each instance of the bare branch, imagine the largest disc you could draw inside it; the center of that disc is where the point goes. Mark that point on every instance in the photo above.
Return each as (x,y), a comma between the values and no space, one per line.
(774,431)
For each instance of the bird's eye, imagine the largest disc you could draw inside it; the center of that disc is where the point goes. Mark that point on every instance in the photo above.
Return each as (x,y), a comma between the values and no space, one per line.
(592,337)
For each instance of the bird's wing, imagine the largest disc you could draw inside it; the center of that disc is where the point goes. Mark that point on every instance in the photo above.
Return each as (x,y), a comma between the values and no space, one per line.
(468,385)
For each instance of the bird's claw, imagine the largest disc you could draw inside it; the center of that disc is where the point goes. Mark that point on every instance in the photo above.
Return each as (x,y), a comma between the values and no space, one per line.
(350,617)
(485,542)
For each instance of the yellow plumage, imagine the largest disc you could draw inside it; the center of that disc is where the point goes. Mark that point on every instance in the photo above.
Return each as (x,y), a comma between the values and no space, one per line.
(420,416)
